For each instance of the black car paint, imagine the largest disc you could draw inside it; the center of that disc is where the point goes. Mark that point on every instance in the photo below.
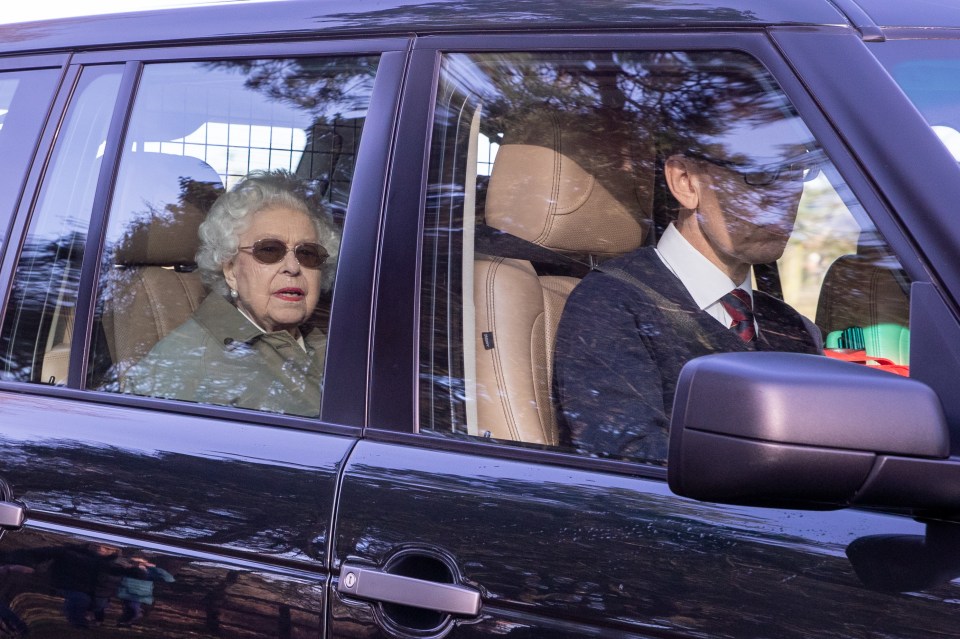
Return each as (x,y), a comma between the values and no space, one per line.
(257,514)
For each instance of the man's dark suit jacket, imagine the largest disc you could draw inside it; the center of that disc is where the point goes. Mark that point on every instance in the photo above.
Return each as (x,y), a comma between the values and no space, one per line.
(620,349)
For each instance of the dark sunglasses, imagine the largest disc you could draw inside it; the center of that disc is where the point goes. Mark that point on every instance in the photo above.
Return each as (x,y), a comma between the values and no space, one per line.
(308,254)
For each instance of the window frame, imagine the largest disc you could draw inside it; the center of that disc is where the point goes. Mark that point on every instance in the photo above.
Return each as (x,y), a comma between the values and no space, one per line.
(344,413)
(394,410)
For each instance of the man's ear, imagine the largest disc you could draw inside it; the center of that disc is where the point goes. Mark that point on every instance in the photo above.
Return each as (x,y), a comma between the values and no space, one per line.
(682,180)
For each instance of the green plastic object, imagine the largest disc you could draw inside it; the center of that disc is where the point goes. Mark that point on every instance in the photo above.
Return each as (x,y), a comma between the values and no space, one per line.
(890,341)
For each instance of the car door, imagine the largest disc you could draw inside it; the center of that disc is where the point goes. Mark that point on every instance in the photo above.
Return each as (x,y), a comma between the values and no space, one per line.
(453,522)
(154,516)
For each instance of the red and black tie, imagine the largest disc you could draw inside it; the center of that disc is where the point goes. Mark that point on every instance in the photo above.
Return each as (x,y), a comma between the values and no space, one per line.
(740,307)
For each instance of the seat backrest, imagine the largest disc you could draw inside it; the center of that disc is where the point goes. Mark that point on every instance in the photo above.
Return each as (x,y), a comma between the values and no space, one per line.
(867,291)
(568,184)
(153,285)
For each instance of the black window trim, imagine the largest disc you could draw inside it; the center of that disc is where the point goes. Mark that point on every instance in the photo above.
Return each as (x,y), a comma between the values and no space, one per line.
(83,323)
(201,52)
(27,62)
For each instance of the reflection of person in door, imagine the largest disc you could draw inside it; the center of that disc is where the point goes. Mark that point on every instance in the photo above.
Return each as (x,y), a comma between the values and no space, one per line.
(79,574)
(136,591)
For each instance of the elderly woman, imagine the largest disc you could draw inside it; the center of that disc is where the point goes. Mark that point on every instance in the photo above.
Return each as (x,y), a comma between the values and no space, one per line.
(266,254)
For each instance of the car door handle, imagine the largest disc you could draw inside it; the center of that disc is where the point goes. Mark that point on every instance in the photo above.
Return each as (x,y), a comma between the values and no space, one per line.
(368,583)
(12,512)
(12,515)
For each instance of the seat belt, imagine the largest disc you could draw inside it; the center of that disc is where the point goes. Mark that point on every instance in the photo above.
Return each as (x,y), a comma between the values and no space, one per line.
(497,243)
(494,242)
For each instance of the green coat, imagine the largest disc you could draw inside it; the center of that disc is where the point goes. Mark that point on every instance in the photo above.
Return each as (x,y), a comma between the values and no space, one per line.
(219,357)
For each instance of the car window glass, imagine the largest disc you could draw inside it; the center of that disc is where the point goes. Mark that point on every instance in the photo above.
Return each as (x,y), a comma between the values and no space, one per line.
(24,97)
(588,216)
(928,72)
(38,325)
(198,129)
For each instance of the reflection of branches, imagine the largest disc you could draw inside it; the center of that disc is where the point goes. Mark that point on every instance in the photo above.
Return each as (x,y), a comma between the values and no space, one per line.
(334,92)
(673,100)
(320,86)
(46,282)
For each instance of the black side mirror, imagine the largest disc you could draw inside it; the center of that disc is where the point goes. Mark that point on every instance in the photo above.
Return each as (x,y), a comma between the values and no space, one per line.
(806,431)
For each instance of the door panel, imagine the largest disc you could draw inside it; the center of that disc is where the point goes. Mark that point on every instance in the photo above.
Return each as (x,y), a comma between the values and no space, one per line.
(237,514)
(562,552)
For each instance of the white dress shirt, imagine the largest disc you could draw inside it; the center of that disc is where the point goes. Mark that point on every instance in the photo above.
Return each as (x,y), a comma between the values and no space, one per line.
(705,282)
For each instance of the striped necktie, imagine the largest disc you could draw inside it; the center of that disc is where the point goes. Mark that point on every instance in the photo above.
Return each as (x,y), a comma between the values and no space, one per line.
(740,307)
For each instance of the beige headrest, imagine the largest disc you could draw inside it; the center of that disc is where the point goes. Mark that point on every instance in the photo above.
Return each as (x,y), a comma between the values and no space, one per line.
(166,198)
(571,183)
(166,238)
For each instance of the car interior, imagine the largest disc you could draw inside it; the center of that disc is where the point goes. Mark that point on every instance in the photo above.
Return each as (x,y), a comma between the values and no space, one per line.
(559,185)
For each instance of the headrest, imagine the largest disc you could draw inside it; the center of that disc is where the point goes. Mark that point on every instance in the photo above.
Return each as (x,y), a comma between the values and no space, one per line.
(571,183)
(165,200)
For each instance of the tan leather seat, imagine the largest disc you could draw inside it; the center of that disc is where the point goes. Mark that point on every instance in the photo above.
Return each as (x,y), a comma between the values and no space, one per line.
(153,286)
(864,290)
(567,183)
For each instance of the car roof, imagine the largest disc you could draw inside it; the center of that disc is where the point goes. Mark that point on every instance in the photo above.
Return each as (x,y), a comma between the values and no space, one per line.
(332,18)
(296,19)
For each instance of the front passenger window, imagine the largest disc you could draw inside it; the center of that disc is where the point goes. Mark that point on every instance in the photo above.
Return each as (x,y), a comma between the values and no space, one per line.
(597,220)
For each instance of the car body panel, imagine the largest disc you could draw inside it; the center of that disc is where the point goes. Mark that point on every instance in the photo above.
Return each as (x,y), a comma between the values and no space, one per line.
(178,490)
(308,18)
(254,515)
(545,542)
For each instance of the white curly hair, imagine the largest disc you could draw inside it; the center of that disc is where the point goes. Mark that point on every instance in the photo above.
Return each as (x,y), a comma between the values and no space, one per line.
(231,215)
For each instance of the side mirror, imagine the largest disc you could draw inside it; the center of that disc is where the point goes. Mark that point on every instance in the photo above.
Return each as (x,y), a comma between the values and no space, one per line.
(806,431)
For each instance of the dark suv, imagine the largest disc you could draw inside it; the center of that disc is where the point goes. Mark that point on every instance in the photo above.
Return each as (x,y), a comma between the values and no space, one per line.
(478,159)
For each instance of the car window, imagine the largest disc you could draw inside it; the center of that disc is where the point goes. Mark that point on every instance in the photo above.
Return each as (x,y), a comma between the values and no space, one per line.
(927,71)
(588,217)
(196,130)
(167,327)
(24,97)
(38,324)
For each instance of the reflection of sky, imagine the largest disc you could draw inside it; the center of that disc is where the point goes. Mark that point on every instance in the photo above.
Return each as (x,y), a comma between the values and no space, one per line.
(951,138)
(747,142)
(68,189)
(927,71)
(7,89)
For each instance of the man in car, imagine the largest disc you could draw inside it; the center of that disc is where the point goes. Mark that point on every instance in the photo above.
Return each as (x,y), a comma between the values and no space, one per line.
(629,328)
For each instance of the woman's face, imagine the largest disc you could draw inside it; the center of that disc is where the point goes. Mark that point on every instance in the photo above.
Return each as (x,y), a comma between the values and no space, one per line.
(277,296)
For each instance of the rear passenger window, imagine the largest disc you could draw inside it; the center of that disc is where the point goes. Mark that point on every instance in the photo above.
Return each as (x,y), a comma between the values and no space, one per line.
(282,136)
(168,326)
(589,219)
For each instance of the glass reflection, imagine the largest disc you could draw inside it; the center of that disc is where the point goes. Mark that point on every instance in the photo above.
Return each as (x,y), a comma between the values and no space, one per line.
(699,206)
(55,589)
